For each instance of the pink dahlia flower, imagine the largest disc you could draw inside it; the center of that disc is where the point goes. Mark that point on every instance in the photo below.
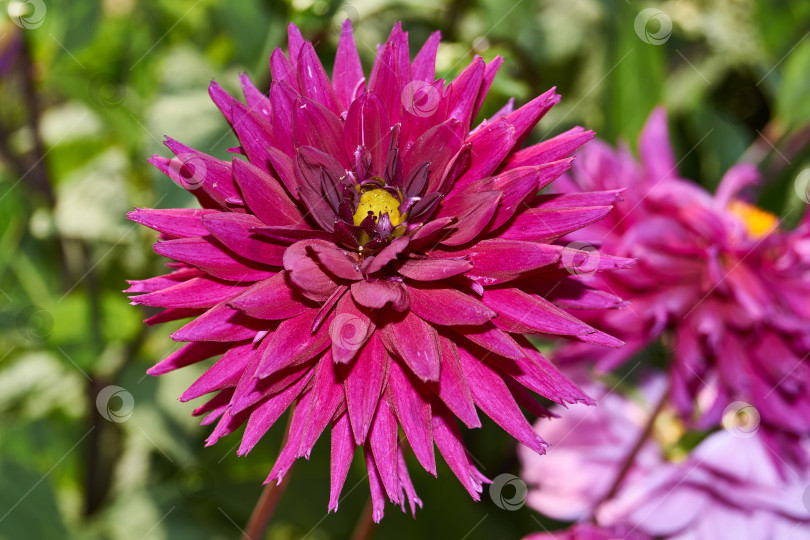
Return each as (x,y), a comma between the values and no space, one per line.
(373,263)
(726,487)
(718,278)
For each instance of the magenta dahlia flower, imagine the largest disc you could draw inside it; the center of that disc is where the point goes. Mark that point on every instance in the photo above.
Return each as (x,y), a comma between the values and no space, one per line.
(719,279)
(373,263)
(725,487)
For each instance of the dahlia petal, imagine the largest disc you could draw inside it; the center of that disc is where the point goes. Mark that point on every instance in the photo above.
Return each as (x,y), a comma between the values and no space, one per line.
(493,339)
(222,99)
(327,398)
(405,482)
(451,447)
(291,235)
(494,398)
(172,314)
(198,292)
(738,177)
(525,118)
(225,372)
(342,453)
(336,261)
(386,81)
(600,338)
(211,259)
(235,232)
(416,183)
(281,69)
(377,294)
(282,102)
(348,72)
(177,222)
(220,323)
(447,307)
(313,81)
(306,274)
(368,125)
(462,93)
(540,376)
(489,77)
(264,415)
(326,309)
(489,145)
(654,147)
(285,170)
(412,408)
(256,100)
(383,442)
(423,109)
(500,260)
(416,343)
(431,233)
(265,196)
(525,399)
(218,404)
(399,39)
(350,330)
(292,343)
(255,134)
(158,283)
(570,294)
(433,268)
(198,172)
(272,299)
(188,354)
(363,386)
(553,149)
(451,133)
(573,200)
(316,126)
(289,452)
(423,67)
(544,224)
(228,423)
(474,212)
(523,313)
(376,486)
(251,390)
(295,41)
(312,166)
(520,184)
(453,389)
(387,254)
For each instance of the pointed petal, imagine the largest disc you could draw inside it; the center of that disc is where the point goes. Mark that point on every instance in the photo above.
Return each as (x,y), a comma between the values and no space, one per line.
(412,408)
(348,71)
(416,343)
(363,386)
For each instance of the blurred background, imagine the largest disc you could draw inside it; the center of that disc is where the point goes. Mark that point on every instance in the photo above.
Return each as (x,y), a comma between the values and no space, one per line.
(91,447)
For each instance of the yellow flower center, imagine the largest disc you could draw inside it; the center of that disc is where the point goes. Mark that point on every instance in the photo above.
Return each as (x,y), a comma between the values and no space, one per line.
(757,222)
(378,201)
(668,430)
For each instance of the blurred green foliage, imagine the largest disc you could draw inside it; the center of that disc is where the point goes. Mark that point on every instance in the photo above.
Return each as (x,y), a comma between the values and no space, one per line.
(89,97)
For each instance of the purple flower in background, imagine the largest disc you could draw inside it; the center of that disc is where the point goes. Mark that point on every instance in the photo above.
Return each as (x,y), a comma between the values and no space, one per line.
(719,279)
(725,487)
(373,263)
(587,531)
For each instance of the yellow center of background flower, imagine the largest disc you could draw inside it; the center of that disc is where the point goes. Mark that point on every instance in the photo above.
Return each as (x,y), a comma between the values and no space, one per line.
(757,222)
(378,201)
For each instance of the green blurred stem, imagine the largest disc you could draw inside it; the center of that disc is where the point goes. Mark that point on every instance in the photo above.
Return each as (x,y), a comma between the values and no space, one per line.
(364,529)
(268,500)
(774,144)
